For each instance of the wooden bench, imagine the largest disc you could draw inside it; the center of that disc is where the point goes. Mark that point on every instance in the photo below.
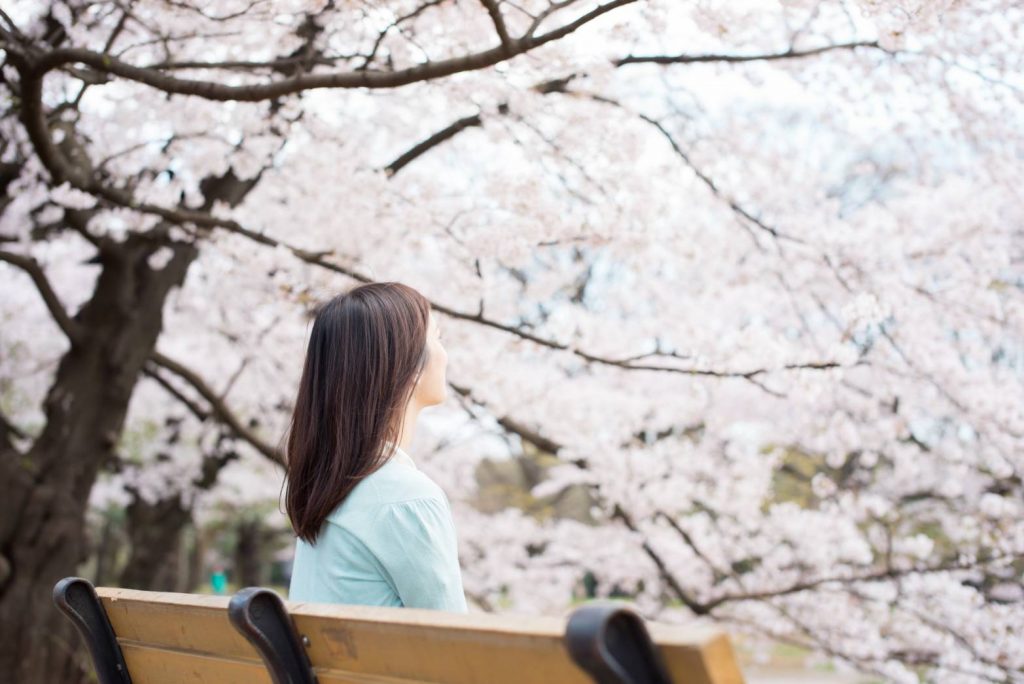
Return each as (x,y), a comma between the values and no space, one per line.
(254,637)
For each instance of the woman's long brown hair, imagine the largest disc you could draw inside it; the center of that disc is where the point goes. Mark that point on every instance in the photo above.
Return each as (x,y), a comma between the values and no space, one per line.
(366,351)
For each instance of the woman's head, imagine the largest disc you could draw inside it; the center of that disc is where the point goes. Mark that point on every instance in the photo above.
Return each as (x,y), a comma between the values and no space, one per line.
(374,352)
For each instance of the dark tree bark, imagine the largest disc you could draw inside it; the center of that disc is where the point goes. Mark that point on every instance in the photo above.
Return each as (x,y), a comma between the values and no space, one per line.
(42,531)
(249,563)
(106,552)
(156,530)
(194,576)
(154,534)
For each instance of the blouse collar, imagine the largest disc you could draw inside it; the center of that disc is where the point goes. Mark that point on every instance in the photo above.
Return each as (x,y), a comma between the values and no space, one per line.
(399,455)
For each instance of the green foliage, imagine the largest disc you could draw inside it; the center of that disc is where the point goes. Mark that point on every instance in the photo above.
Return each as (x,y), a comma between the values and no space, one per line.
(792,478)
(134,438)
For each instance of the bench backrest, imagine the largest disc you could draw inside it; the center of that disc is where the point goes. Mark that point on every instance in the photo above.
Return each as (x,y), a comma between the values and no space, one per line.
(173,638)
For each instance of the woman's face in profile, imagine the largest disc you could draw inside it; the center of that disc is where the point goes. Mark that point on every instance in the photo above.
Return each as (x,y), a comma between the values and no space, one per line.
(432,387)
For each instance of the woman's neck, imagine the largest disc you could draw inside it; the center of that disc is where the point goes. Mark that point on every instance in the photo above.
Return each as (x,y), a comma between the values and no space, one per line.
(412,412)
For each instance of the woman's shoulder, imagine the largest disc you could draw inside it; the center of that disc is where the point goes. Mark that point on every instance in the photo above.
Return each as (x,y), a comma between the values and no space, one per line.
(396,482)
(393,484)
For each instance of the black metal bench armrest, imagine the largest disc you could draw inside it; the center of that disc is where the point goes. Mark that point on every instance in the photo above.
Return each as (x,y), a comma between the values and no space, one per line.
(76,598)
(609,641)
(261,617)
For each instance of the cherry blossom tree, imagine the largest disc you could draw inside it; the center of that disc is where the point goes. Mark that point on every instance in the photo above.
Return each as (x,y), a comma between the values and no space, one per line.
(750,272)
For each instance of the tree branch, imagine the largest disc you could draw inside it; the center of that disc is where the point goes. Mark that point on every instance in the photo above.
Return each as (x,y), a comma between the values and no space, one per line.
(218,406)
(397,22)
(512,425)
(200,218)
(499,23)
(688,540)
(195,409)
(431,142)
(561,86)
(427,71)
(684,596)
(626,365)
(35,122)
(282,64)
(60,315)
(878,575)
(788,54)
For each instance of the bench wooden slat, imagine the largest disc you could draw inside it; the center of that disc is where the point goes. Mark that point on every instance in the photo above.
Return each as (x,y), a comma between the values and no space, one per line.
(149,665)
(180,622)
(375,645)
(707,659)
(432,649)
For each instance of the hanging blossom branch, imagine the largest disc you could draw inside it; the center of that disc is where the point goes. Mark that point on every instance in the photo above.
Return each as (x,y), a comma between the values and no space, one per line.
(560,85)
(704,178)
(721,57)
(34,119)
(706,607)
(873,575)
(848,581)
(37,65)
(34,67)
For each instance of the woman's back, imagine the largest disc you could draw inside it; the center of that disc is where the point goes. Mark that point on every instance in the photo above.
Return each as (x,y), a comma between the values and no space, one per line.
(391,542)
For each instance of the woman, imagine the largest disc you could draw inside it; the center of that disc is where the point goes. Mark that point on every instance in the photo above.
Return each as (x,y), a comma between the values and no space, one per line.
(372,528)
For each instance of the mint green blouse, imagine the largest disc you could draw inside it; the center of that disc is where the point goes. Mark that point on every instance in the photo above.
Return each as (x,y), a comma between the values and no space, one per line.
(391,542)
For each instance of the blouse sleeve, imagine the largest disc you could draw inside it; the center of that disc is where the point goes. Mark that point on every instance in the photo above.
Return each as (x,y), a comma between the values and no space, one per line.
(417,545)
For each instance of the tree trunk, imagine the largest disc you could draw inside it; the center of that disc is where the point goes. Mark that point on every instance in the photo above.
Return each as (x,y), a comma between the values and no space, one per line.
(106,552)
(154,534)
(156,530)
(195,575)
(249,554)
(42,515)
